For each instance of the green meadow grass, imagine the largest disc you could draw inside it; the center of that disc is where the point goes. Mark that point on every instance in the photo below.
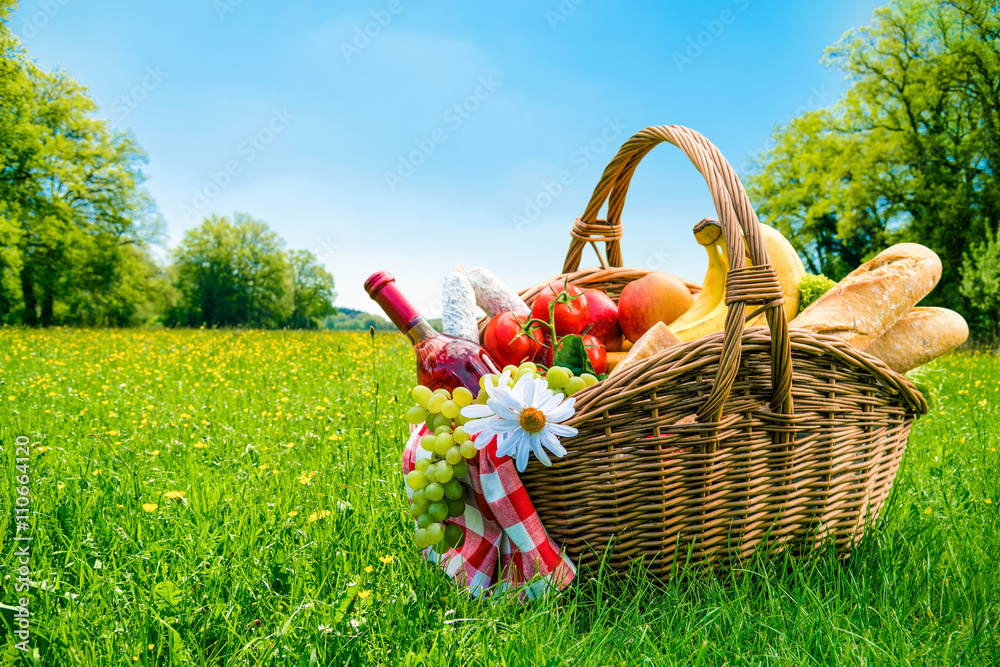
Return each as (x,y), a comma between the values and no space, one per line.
(291,542)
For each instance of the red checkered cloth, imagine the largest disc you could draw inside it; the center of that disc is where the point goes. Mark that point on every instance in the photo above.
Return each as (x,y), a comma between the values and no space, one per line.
(506,548)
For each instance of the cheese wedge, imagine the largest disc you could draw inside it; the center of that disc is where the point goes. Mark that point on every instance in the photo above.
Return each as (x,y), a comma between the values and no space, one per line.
(659,337)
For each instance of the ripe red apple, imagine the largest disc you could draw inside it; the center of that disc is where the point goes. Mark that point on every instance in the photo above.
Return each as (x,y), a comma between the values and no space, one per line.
(656,297)
(604,318)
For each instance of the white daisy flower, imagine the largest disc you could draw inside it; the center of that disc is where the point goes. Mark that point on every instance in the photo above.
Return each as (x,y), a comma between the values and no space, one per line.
(524,418)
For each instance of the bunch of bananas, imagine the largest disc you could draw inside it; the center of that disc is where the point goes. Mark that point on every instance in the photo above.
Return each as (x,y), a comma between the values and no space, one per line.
(708,312)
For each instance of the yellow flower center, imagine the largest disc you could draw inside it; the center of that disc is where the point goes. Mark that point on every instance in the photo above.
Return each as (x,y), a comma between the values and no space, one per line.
(532,420)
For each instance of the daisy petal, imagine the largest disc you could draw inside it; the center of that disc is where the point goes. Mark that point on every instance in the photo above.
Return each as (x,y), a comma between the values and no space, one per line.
(561,413)
(506,425)
(476,410)
(476,425)
(501,409)
(483,430)
(551,402)
(483,439)
(501,382)
(511,444)
(536,448)
(561,430)
(522,456)
(506,398)
(551,442)
(488,436)
(527,386)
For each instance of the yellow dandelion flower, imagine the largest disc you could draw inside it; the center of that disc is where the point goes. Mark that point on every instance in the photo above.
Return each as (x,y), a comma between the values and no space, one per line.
(199,445)
(387,559)
(316,516)
(155,452)
(927,511)
(42,450)
(364,594)
(60,486)
(334,437)
(174,495)
(988,501)
(149,507)
(307,477)
(369,569)
(292,514)
(12,398)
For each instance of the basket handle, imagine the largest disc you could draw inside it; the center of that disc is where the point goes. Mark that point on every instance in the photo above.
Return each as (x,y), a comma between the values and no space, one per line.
(756,285)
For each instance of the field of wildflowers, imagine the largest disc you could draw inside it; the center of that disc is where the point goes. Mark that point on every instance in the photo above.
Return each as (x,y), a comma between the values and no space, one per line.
(235,498)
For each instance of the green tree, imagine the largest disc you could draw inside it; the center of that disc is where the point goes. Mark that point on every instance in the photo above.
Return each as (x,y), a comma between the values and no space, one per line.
(232,272)
(981,283)
(313,291)
(910,153)
(73,209)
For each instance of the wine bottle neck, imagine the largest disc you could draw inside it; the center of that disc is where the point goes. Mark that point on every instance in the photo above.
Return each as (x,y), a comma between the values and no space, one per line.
(420,330)
(382,288)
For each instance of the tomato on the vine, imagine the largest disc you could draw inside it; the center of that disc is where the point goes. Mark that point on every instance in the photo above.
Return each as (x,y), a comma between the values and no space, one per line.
(596,353)
(571,312)
(505,343)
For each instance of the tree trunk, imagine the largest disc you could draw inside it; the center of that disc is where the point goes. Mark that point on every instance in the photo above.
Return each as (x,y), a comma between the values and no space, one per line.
(48,302)
(30,303)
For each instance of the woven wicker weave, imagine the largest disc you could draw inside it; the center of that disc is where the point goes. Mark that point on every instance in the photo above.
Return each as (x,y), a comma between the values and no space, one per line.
(714,448)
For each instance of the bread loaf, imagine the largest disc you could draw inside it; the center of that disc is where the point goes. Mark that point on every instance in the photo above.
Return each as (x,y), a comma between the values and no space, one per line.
(921,335)
(873,297)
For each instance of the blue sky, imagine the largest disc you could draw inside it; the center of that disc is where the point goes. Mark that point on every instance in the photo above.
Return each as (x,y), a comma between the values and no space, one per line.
(410,136)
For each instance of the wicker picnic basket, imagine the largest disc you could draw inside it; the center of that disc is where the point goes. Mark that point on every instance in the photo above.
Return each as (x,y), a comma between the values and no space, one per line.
(761,437)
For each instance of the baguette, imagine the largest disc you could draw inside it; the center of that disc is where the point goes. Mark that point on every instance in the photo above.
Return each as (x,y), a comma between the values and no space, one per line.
(873,297)
(921,335)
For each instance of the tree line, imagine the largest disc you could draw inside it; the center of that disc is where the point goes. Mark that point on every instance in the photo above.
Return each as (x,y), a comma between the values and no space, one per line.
(78,227)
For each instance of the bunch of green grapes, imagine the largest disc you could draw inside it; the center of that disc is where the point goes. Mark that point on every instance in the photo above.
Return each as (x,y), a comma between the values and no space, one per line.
(438,495)
(560,379)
